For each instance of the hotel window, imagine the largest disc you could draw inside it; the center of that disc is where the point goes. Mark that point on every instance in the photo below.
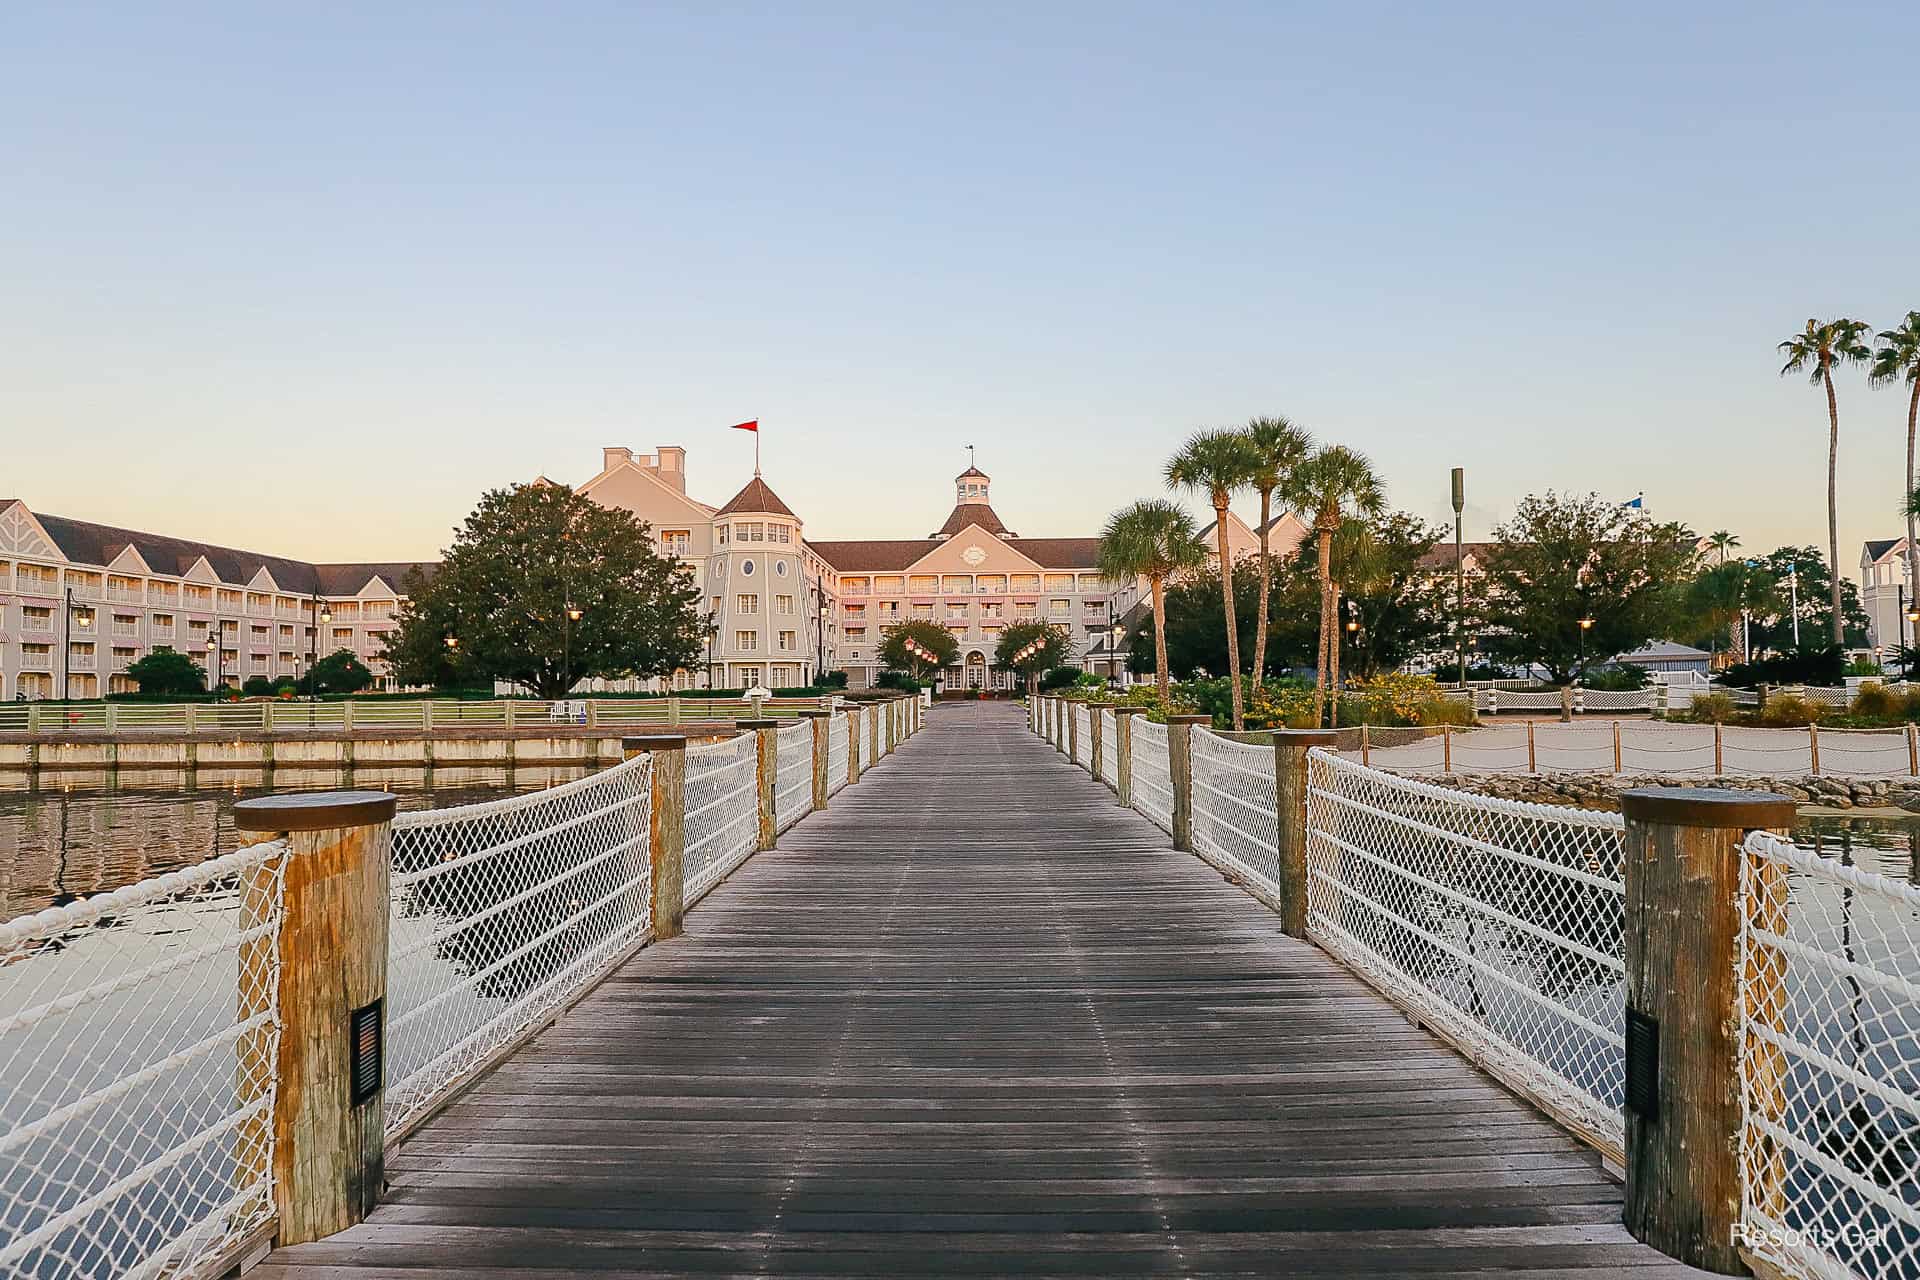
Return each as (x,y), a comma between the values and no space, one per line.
(888,608)
(259,634)
(1059,608)
(956,609)
(197,628)
(991,609)
(856,634)
(780,533)
(787,642)
(723,535)
(376,639)
(228,599)
(955,584)
(990,582)
(228,627)
(1024,582)
(162,624)
(1089,582)
(200,596)
(257,602)
(123,655)
(890,583)
(746,641)
(923,584)
(1059,582)
(746,604)
(783,604)
(286,631)
(1023,610)
(678,541)
(259,663)
(923,612)
(343,635)
(35,618)
(126,624)
(750,531)
(853,586)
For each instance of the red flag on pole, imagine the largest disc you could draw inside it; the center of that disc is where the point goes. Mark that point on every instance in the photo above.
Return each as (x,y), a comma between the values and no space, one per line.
(753,426)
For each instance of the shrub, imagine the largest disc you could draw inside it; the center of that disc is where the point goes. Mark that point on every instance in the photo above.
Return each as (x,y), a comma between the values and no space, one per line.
(832,680)
(1711,708)
(1393,698)
(1447,711)
(896,680)
(1788,711)
(1624,679)
(1803,666)
(1878,702)
(257,687)
(1060,677)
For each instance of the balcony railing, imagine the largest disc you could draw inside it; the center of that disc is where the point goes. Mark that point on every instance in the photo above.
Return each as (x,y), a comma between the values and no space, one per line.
(36,662)
(125,595)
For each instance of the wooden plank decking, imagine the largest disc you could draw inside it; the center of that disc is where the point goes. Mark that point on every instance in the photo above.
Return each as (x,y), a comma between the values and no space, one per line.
(975,1019)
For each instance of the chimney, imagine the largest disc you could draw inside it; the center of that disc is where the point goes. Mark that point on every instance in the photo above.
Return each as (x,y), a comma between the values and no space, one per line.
(613,455)
(673,466)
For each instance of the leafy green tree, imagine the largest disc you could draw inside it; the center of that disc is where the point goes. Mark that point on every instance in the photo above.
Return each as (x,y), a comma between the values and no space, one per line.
(1897,360)
(1815,352)
(1333,486)
(167,671)
(339,672)
(1720,596)
(1564,558)
(1280,447)
(1195,626)
(524,561)
(1402,607)
(1219,464)
(1155,539)
(931,636)
(1800,575)
(1054,647)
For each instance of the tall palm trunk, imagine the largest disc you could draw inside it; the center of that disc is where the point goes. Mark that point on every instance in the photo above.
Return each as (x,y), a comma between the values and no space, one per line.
(1233,627)
(1159,585)
(1266,584)
(1833,502)
(1913,547)
(1325,540)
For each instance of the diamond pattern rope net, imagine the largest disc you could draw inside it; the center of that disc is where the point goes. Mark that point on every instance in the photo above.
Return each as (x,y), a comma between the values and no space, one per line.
(837,738)
(502,912)
(1110,749)
(1236,820)
(1082,735)
(1499,923)
(793,773)
(1829,989)
(723,811)
(138,1033)
(1152,785)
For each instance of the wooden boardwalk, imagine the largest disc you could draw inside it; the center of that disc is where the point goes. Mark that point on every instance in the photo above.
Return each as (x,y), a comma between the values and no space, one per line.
(976,1019)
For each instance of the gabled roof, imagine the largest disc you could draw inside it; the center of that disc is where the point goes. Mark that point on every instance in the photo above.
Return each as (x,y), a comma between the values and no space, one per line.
(888,556)
(84,542)
(1879,548)
(971,472)
(967,513)
(1440,555)
(757,497)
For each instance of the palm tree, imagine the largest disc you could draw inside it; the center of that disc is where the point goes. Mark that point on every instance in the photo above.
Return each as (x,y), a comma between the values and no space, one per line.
(1281,447)
(1219,463)
(1722,542)
(1334,485)
(1814,353)
(1897,361)
(1152,539)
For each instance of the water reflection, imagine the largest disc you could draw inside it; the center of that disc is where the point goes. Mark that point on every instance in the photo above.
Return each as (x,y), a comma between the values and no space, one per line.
(58,845)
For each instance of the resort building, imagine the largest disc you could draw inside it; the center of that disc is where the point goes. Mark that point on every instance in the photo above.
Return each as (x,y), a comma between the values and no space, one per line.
(1883,593)
(81,602)
(783,607)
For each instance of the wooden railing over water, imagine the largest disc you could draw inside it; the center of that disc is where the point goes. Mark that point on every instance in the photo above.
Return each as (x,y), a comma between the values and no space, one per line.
(203,1063)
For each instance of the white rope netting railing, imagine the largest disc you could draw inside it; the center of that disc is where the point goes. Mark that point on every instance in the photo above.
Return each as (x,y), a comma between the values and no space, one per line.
(1110,748)
(723,811)
(501,913)
(138,1035)
(1236,813)
(837,739)
(1499,923)
(793,774)
(1082,735)
(1152,783)
(1829,990)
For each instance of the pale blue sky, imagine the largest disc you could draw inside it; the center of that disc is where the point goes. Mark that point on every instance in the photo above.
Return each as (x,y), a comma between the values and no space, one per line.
(307,280)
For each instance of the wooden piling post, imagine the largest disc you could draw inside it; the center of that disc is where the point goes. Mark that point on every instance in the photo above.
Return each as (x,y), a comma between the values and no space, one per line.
(328,1134)
(1094,760)
(767,751)
(1123,762)
(1566,704)
(1446,748)
(1719,752)
(1616,746)
(1532,764)
(1366,746)
(1913,750)
(1290,748)
(1684,1097)
(1073,731)
(666,827)
(1180,772)
(873,736)
(1813,747)
(821,722)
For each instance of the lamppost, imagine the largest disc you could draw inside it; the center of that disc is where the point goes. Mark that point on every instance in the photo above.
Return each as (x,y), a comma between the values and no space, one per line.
(68,618)
(1586,624)
(713,625)
(214,657)
(322,615)
(1913,641)
(570,615)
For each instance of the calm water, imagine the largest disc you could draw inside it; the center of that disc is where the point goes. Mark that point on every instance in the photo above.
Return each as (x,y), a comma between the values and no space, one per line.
(57,845)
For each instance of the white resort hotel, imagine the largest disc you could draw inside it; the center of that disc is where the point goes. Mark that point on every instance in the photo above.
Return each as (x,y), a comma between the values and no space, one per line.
(80,602)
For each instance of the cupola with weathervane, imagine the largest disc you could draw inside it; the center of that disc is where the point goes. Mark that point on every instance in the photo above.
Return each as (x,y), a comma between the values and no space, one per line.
(970,505)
